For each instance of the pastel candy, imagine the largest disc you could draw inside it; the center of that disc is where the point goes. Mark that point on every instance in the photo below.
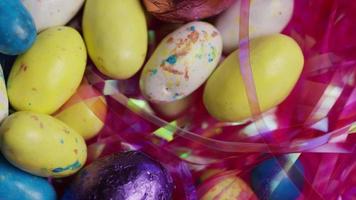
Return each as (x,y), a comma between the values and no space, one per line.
(181,63)
(17,29)
(19,185)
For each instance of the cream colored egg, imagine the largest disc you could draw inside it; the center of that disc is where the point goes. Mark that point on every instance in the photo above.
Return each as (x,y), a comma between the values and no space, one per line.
(266,17)
(181,63)
(49,13)
(4,101)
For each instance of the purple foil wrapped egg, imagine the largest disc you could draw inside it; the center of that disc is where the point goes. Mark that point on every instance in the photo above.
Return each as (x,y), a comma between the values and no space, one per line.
(126,176)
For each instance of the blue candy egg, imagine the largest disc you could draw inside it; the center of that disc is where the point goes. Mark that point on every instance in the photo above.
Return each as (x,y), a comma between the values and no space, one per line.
(19,185)
(278,179)
(17,29)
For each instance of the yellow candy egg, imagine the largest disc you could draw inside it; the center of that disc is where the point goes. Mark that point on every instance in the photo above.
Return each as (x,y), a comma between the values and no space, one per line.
(225,187)
(116,36)
(47,75)
(276,62)
(85,111)
(42,145)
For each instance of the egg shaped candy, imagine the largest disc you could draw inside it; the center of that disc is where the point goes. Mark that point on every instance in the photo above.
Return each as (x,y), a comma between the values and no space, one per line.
(124,176)
(47,75)
(17,184)
(41,145)
(278,179)
(115,33)
(85,111)
(17,29)
(174,109)
(225,186)
(276,63)
(185,10)
(181,63)
(4,102)
(266,17)
(51,13)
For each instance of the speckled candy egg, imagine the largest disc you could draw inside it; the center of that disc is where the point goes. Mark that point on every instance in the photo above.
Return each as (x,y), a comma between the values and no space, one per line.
(47,75)
(181,63)
(41,145)
(266,17)
(17,29)
(16,184)
(125,176)
(278,179)
(225,186)
(49,13)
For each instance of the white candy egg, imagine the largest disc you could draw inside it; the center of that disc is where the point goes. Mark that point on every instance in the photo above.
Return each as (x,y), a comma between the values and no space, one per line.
(49,13)
(182,62)
(266,17)
(4,101)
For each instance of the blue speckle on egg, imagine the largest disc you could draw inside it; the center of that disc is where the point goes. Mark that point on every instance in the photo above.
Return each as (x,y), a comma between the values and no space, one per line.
(17,29)
(16,184)
(192,28)
(269,180)
(129,175)
(172,59)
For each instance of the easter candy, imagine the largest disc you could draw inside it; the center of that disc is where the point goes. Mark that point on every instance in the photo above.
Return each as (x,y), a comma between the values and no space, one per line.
(278,179)
(4,102)
(51,13)
(124,176)
(41,145)
(173,109)
(225,186)
(181,63)
(185,10)
(16,184)
(276,63)
(85,111)
(115,33)
(46,76)
(266,17)
(17,29)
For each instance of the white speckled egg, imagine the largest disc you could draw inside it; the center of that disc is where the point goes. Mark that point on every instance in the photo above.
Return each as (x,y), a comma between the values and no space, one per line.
(182,62)
(4,101)
(49,13)
(266,17)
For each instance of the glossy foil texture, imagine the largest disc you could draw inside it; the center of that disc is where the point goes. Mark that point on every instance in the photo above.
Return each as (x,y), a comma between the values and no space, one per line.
(185,10)
(126,176)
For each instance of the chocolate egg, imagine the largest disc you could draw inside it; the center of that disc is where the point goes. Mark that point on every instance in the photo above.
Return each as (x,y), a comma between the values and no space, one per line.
(185,10)
(278,179)
(124,176)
